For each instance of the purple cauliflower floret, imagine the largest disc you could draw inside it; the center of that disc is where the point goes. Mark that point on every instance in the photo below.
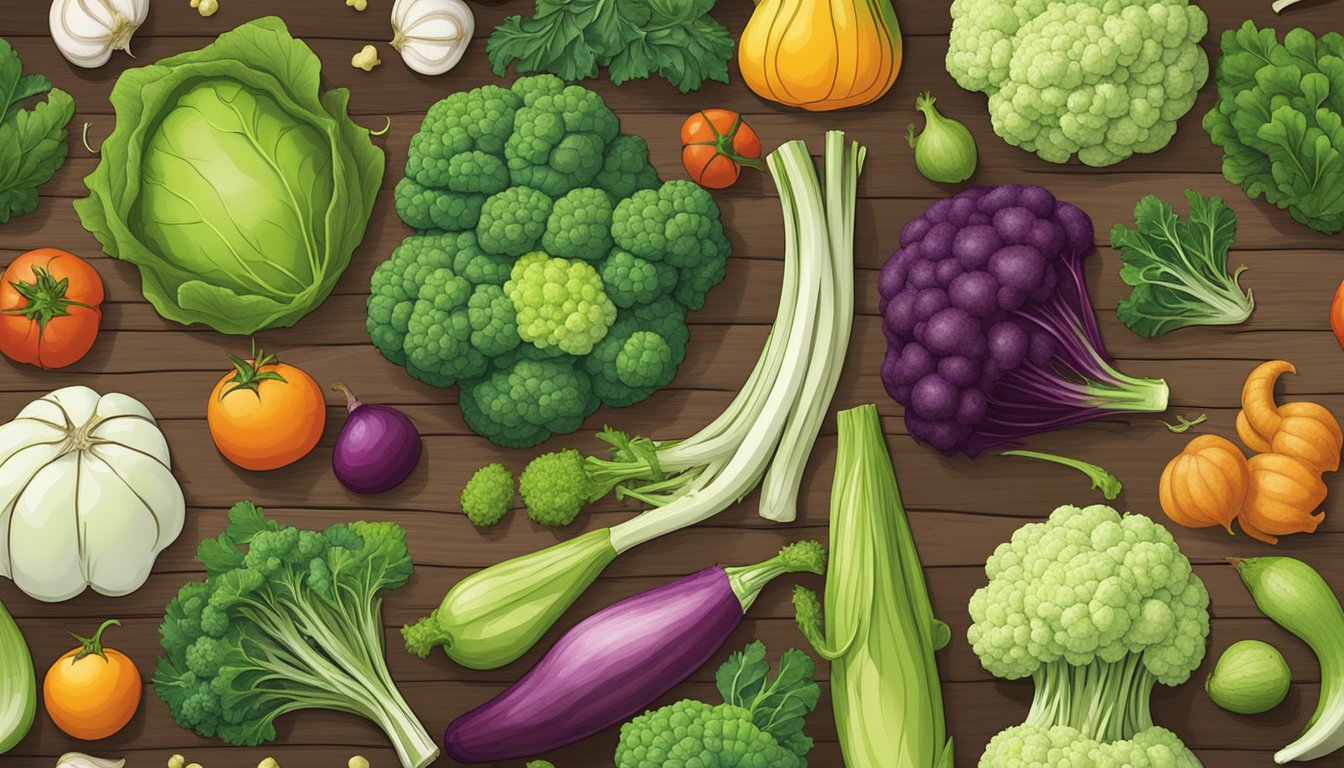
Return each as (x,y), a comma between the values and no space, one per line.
(991,336)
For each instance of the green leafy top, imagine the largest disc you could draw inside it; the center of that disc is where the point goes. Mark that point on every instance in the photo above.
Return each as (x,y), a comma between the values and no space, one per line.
(777,706)
(1179,268)
(634,39)
(1279,119)
(32,141)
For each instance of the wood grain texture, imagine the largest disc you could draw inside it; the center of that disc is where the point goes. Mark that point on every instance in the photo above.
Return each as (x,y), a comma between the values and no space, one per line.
(959,509)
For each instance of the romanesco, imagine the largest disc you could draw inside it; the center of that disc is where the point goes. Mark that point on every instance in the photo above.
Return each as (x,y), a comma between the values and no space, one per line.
(1096,608)
(758,725)
(488,495)
(517,286)
(1102,79)
(555,487)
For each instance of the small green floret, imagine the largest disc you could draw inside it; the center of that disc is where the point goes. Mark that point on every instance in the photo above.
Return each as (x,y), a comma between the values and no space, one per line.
(540,764)
(555,487)
(488,495)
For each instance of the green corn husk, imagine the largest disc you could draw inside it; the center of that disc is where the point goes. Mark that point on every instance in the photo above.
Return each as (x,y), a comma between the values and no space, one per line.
(880,633)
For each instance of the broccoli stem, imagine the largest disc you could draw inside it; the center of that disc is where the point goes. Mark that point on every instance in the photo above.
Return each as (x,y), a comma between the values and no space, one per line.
(1106,701)
(747,581)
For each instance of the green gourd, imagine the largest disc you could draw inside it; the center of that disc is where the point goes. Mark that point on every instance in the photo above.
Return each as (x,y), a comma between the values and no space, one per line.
(18,684)
(1250,677)
(945,151)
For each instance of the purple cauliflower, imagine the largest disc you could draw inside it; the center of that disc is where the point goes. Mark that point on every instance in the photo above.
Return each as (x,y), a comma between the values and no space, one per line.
(991,336)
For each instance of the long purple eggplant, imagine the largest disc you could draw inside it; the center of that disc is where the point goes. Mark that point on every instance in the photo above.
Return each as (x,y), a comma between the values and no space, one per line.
(616,662)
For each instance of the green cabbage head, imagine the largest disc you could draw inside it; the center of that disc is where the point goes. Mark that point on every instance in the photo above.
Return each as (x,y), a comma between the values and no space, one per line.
(233,182)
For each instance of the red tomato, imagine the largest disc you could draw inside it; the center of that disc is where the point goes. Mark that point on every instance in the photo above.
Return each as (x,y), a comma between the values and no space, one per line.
(49,308)
(1337,314)
(716,143)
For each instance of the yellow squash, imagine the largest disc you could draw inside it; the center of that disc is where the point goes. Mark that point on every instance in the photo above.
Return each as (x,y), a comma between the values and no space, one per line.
(821,55)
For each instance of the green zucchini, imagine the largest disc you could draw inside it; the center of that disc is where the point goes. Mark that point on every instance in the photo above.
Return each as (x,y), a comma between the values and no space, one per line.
(18,684)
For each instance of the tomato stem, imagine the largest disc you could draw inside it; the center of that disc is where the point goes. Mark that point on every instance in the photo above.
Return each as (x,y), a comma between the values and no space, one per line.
(247,374)
(93,646)
(723,144)
(46,298)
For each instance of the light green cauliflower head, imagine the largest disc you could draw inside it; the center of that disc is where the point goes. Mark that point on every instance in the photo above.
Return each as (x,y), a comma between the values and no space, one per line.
(1090,584)
(560,303)
(1027,746)
(693,733)
(1102,79)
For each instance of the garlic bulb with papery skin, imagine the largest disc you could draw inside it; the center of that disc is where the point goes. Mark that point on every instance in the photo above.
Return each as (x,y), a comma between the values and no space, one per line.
(431,35)
(86,32)
(81,760)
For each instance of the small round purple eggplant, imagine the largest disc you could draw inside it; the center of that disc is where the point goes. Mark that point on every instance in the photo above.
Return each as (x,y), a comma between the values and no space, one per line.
(377,449)
(616,662)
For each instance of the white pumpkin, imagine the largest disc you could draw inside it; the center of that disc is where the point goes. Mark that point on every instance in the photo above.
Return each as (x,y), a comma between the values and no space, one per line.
(87,496)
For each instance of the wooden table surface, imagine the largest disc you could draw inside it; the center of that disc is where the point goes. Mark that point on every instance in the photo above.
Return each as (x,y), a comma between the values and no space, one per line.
(959,509)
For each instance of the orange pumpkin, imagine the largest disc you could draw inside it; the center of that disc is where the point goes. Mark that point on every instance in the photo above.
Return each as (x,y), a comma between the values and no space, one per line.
(1282,497)
(92,692)
(1205,485)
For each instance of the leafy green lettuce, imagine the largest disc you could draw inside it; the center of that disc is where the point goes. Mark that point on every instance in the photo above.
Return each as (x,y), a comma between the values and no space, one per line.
(1179,268)
(32,141)
(1280,121)
(233,182)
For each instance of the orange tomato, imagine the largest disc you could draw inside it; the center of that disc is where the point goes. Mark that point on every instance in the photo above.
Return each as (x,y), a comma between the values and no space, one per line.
(92,692)
(1337,314)
(49,308)
(265,415)
(716,143)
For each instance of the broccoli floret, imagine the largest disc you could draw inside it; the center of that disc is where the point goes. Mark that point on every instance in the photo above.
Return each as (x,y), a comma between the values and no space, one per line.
(395,287)
(560,140)
(461,141)
(424,208)
(488,495)
(539,764)
(529,398)
(555,487)
(286,620)
(513,221)
(626,169)
(579,226)
(640,354)
(695,733)
(560,303)
(1096,608)
(533,87)
(631,281)
(672,223)
(438,334)
(694,281)
(493,320)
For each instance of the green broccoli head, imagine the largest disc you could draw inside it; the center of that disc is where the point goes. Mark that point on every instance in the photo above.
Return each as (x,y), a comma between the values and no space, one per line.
(640,354)
(513,221)
(560,303)
(527,398)
(579,226)
(1090,584)
(488,495)
(671,223)
(695,733)
(546,246)
(539,764)
(559,141)
(626,169)
(1102,79)
(555,487)
(1029,746)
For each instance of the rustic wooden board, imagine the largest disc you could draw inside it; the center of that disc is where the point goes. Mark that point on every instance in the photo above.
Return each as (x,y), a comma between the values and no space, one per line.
(959,509)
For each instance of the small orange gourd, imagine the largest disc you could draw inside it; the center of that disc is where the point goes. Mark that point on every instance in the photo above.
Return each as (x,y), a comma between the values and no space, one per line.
(1304,430)
(821,55)
(1259,412)
(1282,497)
(1205,485)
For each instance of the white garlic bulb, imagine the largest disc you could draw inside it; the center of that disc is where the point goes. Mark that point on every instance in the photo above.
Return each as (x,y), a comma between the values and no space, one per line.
(81,760)
(87,31)
(431,35)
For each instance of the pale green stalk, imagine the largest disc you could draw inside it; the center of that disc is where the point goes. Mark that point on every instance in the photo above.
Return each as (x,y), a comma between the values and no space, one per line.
(879,631)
